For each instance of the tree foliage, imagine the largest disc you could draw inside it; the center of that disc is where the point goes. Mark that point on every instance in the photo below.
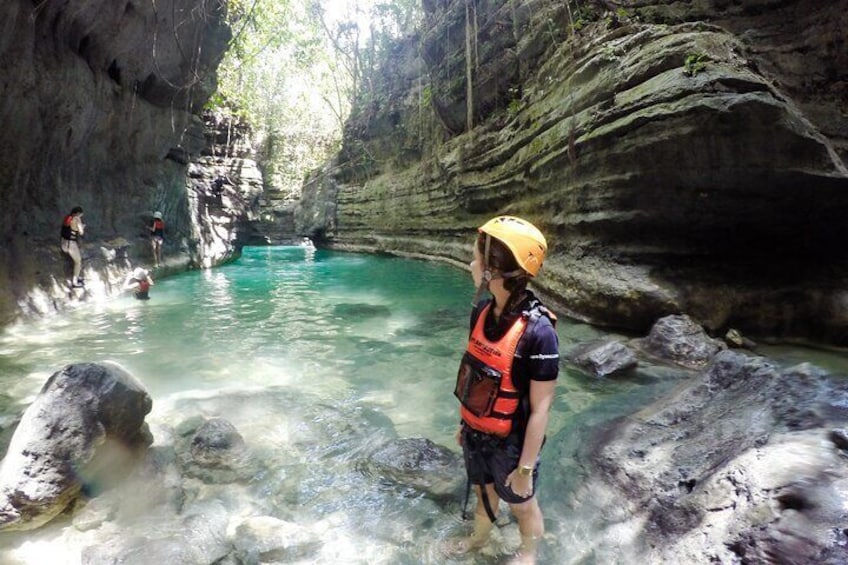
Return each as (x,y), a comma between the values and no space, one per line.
(294,70)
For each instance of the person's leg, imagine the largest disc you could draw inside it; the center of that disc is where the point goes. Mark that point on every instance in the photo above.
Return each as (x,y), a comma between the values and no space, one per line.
(526,510)
(532,527)
(74,252)
(482,524)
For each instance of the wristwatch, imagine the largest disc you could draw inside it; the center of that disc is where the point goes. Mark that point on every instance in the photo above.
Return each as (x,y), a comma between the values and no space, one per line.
(525,470)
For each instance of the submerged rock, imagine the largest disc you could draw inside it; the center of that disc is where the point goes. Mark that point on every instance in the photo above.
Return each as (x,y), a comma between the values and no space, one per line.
(265,539)
(419,464)
(362,311)
(84,431)
(199,535)
(217,453)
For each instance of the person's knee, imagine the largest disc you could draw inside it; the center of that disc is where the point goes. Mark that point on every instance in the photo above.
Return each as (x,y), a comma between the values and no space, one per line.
(525,510)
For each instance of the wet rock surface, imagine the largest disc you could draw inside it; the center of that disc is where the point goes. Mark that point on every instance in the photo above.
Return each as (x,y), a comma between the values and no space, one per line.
(603,358)
(418,464)
(83,432)
(734,467)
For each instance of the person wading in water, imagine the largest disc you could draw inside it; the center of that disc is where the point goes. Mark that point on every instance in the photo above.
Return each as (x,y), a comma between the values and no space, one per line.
(72,230)
(140,282)
(506,383)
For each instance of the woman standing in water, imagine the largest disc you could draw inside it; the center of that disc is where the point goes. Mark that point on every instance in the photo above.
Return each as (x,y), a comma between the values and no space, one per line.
(72,230)
(506,382)
(157,237)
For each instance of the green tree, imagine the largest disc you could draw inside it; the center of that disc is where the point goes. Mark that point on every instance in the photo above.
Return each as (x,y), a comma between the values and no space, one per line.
(295,69)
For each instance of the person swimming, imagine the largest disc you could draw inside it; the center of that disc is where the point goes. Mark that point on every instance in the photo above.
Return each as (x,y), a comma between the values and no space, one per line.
(140,282)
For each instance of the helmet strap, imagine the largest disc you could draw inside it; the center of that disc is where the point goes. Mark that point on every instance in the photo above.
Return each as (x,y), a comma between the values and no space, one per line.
(483,286)
(487,273)
(512,274)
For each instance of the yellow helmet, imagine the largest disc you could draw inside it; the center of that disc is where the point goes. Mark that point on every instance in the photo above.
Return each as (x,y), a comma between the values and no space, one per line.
(523,239)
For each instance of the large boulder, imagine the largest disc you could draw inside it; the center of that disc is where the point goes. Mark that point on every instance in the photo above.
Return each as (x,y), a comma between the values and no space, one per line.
(680,340)
(743,464)
(82,432)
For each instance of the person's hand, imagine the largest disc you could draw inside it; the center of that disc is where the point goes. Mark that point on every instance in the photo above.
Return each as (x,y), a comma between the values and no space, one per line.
(459,436)
(522,485)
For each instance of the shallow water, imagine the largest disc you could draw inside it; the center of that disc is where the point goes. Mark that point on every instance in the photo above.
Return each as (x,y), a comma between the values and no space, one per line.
(317,358)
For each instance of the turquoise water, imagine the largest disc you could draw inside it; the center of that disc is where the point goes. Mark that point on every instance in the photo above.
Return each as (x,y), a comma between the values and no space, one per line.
(317,357)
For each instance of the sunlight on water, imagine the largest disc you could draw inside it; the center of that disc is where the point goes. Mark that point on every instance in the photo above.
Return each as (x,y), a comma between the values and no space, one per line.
(316,358)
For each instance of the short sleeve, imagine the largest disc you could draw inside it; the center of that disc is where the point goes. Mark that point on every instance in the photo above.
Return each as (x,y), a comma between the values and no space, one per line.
(541,355)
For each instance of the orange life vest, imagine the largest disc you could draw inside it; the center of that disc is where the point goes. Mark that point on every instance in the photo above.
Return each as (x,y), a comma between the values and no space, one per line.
(67,231)
(484,383)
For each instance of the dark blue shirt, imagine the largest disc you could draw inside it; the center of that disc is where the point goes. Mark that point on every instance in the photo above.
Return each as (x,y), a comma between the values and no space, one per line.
(537,356)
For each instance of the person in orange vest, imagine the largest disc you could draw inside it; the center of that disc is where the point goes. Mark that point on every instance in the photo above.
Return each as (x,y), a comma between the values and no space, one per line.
(506,383)
(140,282)
(157,237)
(72,230)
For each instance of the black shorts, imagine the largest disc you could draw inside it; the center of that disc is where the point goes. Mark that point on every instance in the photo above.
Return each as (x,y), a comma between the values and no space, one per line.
(489,459)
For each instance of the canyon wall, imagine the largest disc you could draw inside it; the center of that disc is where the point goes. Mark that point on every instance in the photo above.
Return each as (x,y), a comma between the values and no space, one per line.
(681,156)
(100,108)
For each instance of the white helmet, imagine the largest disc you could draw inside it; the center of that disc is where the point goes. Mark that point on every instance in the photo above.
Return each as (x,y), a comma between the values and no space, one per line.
(140,273)
(157,215)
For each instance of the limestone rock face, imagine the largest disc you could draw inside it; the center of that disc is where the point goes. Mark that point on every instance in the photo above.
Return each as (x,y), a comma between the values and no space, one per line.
(682,157)
(735,466)
(98,110)
(80,432)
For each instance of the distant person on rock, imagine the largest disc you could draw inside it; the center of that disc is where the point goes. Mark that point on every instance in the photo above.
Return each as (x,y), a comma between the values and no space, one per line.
(72,230)
(157,237)
(139,282)
(506,383)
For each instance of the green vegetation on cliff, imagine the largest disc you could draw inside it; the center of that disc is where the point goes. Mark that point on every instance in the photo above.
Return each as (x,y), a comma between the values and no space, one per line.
(294,70)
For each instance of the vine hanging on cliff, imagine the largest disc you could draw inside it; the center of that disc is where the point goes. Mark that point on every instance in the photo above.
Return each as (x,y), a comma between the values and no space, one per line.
(470,52)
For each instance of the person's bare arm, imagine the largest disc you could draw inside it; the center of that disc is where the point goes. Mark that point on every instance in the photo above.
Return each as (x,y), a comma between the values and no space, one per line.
(541,399)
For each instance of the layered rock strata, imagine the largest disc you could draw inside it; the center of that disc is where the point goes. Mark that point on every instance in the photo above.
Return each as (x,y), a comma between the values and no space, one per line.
(682,157)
